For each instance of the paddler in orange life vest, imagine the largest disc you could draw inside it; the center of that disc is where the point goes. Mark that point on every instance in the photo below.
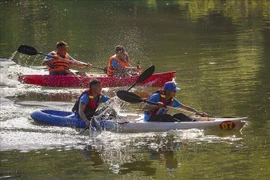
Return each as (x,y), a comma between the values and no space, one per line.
(61,60)
(119,64)
(166,98)
(89,101)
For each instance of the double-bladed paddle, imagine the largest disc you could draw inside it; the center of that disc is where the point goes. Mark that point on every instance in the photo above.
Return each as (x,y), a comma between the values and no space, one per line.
(133,98)
(25,49)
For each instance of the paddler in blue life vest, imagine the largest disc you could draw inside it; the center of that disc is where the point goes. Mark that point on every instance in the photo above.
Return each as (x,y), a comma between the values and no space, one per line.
(61,60)
(119,64)
(166,98)
(89,101)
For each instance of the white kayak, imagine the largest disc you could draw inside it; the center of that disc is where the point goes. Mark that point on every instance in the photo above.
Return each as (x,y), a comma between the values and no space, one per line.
(213,123)
(201,123)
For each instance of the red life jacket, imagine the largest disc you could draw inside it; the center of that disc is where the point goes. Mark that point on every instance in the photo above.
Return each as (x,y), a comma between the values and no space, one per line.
(163,100)
(92,105)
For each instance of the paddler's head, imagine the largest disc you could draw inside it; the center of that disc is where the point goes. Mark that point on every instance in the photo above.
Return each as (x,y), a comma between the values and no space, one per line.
(170,89)
(121,52)
(61,47)
(95,87)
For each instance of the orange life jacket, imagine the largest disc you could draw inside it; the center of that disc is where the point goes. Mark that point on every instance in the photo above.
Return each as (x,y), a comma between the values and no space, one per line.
(110,70)
(163,100)
(91,107)
(59,64)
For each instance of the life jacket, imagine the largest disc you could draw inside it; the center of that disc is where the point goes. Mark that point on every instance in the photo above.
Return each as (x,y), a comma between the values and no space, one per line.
(59,64)
(110,70)
(163,100)
(91,107)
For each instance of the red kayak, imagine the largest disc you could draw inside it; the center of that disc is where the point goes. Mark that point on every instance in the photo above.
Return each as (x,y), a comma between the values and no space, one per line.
(156,80)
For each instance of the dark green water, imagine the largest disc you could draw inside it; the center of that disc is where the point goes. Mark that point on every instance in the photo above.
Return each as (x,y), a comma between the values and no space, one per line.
(220,49)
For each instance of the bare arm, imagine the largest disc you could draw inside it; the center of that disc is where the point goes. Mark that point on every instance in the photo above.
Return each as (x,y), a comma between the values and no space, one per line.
(82,114)
(193,110)
(48,59)
(131,68)
(79,64)
(46,62)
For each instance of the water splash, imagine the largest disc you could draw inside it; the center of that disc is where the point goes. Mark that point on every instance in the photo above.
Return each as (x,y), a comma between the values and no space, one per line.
(10,72)
(13,55)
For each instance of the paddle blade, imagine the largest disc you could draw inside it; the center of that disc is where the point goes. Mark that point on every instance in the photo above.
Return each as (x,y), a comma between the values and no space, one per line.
(27,50)
(146,74)
(128,96)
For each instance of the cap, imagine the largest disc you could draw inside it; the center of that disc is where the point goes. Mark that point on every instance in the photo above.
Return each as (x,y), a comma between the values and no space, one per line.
(170,86)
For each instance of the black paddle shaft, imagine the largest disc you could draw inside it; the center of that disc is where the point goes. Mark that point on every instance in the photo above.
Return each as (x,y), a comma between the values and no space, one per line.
(132,98)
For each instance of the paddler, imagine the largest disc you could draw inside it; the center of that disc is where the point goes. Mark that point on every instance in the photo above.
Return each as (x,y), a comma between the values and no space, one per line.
(164,98)
(89,101)
(58,61)
(119,64)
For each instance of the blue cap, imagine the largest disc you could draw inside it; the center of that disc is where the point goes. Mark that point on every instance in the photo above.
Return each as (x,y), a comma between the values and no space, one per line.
(170,86)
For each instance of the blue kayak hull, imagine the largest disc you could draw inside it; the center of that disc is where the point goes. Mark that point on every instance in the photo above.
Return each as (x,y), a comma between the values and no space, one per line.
(64,119)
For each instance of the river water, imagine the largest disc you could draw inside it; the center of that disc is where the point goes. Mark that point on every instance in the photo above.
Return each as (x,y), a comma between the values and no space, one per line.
(219,48)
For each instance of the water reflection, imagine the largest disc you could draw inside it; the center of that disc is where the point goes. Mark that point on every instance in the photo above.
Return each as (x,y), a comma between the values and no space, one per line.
(92,155)
(127,153)
(123,161)
(166,153)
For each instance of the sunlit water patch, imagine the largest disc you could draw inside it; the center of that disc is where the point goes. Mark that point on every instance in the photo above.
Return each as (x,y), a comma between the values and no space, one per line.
(10,87)
(10,72)
(26,141)
(15,121)
(116,150)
